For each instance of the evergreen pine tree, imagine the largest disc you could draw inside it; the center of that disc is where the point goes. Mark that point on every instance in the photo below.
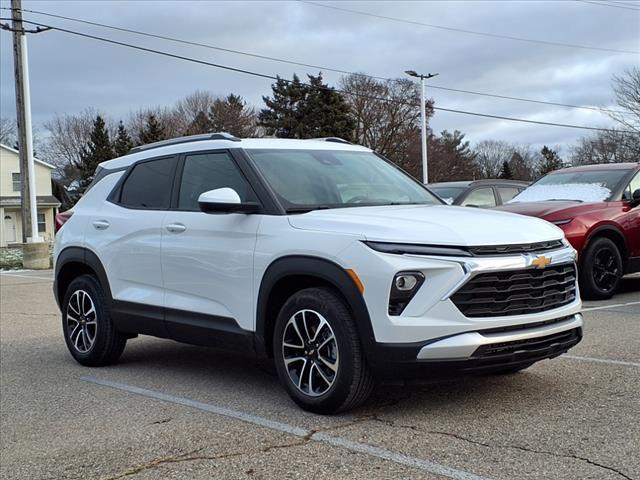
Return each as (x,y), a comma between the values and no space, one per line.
(232,115)
(550,161)
(123,142)
(97,150)
(200,124)
(152,131)
(505,172)
(298,110)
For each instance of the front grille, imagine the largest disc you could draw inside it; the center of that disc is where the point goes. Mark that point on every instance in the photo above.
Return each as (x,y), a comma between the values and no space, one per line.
(511,249)
(531,349)
(517,292)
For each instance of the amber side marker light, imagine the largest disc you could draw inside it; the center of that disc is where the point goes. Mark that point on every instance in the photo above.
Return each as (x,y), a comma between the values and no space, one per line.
(356,280)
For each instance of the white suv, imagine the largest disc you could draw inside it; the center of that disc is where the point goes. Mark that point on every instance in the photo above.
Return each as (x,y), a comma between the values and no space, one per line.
(318,254)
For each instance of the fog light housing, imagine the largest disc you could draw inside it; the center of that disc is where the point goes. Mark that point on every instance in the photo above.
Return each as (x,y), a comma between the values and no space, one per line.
(403,288)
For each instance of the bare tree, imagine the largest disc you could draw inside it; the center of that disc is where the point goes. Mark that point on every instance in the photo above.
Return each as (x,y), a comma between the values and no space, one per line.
(626,89)
(606,147)
(232,114)
(68,135)
(388,116)
(8,131)
(490,156)
(165,116)
(187,109)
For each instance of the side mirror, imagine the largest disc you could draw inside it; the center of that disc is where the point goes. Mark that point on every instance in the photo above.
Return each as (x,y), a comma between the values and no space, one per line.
(225,200)
(635,198)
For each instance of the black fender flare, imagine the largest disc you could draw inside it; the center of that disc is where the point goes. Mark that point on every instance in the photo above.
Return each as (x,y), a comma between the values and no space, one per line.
(83,256)
(609,229)
(322,269)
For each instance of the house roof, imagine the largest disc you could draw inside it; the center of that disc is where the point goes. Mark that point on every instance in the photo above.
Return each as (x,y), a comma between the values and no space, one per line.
(41,200)
(44,164)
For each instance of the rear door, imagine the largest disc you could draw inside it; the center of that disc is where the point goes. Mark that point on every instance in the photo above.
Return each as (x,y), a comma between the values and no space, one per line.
(207,259)
(630,218)
(125,233)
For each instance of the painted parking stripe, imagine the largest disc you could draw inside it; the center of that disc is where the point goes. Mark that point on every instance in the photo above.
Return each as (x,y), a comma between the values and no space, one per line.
(26,276)
(320,437)
(601,360)
(604,307)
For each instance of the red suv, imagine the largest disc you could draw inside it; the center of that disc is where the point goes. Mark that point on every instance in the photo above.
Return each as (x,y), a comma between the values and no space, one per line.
(598,207)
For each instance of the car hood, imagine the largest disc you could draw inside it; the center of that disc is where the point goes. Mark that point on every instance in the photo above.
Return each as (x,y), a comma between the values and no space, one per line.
(555,209)
(429,224)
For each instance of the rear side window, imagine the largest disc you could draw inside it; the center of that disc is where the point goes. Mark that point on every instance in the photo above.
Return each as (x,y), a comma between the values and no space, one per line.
(507,193)
(149,185)
(209,171)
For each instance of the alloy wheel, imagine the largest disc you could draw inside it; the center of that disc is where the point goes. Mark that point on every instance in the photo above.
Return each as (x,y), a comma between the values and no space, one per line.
(605,269)
(310,352)
(81,318)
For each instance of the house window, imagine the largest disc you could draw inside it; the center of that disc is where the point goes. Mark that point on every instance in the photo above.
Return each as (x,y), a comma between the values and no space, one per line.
(15,180)
(42,223)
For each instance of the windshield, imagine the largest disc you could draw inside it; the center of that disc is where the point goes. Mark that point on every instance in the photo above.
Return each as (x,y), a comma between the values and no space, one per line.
(448,194)
(586,186)
(307,180)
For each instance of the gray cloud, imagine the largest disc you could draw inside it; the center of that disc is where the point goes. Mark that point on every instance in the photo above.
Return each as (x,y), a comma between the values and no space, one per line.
(69,73)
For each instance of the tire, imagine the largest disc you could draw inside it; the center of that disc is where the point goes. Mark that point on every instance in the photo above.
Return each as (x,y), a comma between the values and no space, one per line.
(601,269)
(311,381)
(87,326)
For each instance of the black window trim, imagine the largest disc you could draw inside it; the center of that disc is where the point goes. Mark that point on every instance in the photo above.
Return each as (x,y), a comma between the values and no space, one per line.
(115,196)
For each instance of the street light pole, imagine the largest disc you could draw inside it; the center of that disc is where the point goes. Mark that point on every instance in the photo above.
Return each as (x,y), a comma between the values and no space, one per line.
(423,121)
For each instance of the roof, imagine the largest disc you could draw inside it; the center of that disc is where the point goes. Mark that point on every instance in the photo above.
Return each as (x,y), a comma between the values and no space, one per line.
(248,143)
(13,150)
(488,181)
(599,167)
(41,200)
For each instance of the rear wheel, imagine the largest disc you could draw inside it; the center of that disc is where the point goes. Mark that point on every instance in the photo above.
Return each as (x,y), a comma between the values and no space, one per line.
(318,353)
(601,269)
(86,323)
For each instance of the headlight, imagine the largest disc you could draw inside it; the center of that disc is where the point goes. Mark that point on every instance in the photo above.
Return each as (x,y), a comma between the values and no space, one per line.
(403,288)
(412,249)
(561,222)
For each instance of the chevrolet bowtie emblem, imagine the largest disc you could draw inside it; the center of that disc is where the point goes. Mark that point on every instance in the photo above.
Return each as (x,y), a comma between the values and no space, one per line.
(541,261)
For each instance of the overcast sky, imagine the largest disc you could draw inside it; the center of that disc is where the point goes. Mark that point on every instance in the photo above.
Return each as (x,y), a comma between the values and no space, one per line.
(69,73)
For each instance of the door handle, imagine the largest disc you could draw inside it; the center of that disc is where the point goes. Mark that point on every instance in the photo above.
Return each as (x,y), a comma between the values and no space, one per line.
(176,227)
(101,224)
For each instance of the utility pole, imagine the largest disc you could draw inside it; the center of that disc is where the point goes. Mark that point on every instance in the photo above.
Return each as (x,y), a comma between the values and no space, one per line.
(25,142)
(423,121)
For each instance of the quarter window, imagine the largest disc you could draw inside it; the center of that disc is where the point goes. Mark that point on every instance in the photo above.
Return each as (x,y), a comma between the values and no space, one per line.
(209,171)
(507,193)
(149,185)
(480,197)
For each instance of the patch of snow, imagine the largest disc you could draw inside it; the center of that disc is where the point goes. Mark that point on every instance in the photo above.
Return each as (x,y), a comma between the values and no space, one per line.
(585,192)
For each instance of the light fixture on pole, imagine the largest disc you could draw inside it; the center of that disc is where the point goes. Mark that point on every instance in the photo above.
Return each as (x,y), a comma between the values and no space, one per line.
(423,119)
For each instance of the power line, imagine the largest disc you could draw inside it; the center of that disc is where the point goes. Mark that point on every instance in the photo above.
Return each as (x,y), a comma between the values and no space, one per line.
(319,67)
(609,4)
(271,77)
(472,32)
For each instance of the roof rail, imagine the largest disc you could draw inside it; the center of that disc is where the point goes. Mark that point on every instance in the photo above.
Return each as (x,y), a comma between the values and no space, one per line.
(332,139)
(187,139)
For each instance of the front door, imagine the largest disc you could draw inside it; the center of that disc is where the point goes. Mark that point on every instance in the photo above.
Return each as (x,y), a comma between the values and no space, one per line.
(10,227)
(207,259)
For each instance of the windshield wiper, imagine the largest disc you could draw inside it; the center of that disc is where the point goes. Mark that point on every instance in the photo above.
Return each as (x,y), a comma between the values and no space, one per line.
(307,208)
(564,200)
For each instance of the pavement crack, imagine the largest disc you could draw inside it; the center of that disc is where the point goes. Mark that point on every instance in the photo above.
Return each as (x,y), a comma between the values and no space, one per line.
(161,421)
(513,447)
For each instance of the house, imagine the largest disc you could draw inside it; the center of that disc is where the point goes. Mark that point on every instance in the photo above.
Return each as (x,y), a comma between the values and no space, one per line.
(10,204)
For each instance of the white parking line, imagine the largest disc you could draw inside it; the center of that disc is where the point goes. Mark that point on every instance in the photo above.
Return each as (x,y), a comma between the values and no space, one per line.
(5,274)
(604,307)
(320,437)
(601,360)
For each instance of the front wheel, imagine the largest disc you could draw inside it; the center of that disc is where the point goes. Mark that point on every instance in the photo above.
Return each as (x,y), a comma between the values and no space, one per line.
(87,326)
(318,353)
(601,269)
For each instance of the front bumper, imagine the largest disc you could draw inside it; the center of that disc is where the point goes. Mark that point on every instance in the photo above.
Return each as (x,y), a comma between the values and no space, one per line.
(480,352)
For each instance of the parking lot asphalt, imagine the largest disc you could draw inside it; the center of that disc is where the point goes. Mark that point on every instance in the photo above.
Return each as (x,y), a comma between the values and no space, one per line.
(168,410)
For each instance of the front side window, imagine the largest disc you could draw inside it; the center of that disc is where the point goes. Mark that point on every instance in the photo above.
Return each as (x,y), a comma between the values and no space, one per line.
(310,179)
(149,185)
(632,187)
(480,197)
(15,181)
(209,171)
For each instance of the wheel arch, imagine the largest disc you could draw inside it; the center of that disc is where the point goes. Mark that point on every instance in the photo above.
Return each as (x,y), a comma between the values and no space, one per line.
(614,234)
(73,262)
(290,274)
